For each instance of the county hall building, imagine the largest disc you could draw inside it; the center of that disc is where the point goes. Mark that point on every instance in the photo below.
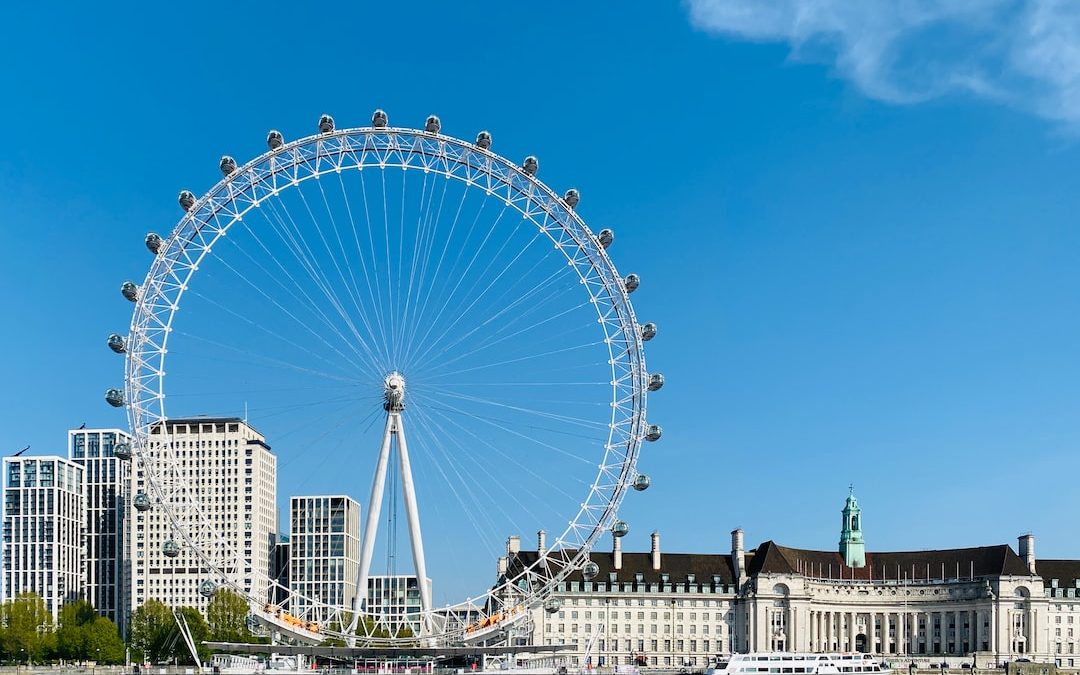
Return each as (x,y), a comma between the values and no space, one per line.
(982,605)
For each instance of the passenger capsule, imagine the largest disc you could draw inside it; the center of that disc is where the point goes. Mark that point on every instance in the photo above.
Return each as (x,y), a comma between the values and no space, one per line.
(572,198)
(605,237)
(648,331)
(590,570)
(632,281)
(379,120)
(114,397)
(186,199)
(117,344)
(141,501)
(642,482)
(274,139)
(656,380)
(432,125)
(620,528)
(653,432)
(170,548)
(122,451)
(530,165)
(207,588)
(552,605)
(129,290)
(326,124)
(483,140)
(227,165)
(153,242)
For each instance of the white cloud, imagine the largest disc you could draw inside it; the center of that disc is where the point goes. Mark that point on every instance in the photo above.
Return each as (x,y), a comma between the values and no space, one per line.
(1025,53)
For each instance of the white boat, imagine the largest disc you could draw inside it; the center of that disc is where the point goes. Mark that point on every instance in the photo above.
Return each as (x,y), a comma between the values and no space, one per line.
(791,663)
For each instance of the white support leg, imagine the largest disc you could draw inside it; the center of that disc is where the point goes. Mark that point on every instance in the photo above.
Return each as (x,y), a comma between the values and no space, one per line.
(371,526)
(415,536)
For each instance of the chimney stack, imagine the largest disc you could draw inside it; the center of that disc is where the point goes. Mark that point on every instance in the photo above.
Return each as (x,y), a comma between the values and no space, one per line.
(541,543)
(654,553)
(738,556)
(504,565)
(513,545)
(1027,550)
(616,552)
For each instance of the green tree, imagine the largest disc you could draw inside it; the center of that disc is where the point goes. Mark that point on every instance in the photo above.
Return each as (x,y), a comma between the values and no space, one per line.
(200,632)
(103,643)
(27,635)
(152,628)
(75,620)
(227,617)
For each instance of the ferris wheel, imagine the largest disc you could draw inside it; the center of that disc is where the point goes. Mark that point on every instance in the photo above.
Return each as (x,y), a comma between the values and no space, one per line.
(361,282)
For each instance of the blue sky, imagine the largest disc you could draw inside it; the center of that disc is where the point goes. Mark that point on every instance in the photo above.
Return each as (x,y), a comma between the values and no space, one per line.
(864,266)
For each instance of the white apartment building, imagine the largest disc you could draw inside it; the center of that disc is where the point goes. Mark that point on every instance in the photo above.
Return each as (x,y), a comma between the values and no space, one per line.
(232,474)
(107,482)
(44,519)
(393,601)
(983,605)
(324,553)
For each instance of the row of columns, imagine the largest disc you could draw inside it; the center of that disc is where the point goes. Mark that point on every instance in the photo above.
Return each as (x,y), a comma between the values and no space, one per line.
(838,631)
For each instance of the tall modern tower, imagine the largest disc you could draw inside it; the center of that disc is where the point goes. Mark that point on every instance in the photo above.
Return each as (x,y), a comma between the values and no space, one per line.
(324,538)
(107,481)
(44,519)
(852,546)
(230,469)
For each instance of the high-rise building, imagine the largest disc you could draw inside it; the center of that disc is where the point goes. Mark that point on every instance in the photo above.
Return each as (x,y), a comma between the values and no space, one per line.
(107,481)
(393,602)
(44,520)
(324,539)
(227,468)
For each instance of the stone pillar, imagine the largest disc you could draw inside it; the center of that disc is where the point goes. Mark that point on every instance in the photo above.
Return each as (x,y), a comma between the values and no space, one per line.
(828,631)
(851,617)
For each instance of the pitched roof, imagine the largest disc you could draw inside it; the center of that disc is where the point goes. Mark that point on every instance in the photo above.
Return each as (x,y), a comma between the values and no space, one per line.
(980,561)
(1067,572)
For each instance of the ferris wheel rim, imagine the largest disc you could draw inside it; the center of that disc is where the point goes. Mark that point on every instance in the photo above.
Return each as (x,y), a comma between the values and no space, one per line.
(143,397)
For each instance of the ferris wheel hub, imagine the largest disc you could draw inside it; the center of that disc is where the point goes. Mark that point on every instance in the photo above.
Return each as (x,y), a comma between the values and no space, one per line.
(394,392)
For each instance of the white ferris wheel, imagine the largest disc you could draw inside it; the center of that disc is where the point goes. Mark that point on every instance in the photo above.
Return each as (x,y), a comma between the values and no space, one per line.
(403,300)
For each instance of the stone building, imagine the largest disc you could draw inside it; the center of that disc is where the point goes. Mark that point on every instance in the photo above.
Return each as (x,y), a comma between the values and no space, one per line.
(988,604)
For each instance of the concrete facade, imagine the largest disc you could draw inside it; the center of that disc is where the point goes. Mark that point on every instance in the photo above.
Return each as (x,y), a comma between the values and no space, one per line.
(43,530)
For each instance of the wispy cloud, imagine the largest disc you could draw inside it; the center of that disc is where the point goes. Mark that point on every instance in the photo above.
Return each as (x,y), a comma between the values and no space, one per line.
(1023,53)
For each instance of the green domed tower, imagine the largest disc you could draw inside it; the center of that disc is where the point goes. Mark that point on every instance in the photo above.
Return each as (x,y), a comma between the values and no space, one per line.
(852,546)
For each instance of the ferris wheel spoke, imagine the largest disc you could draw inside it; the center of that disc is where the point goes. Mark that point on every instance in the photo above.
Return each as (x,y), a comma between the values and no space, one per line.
(578,421)
(466,473)
(520,359)
(478,296)
(258,288)
(282,231)
(427,228)
(262,360)
(460,278)
(436,404)
(473,509)
(523,468)
(435,276)
(267,331)
(336,300)
(373,282)
(352,288)
(389,265)
(503,325)
(306,301)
